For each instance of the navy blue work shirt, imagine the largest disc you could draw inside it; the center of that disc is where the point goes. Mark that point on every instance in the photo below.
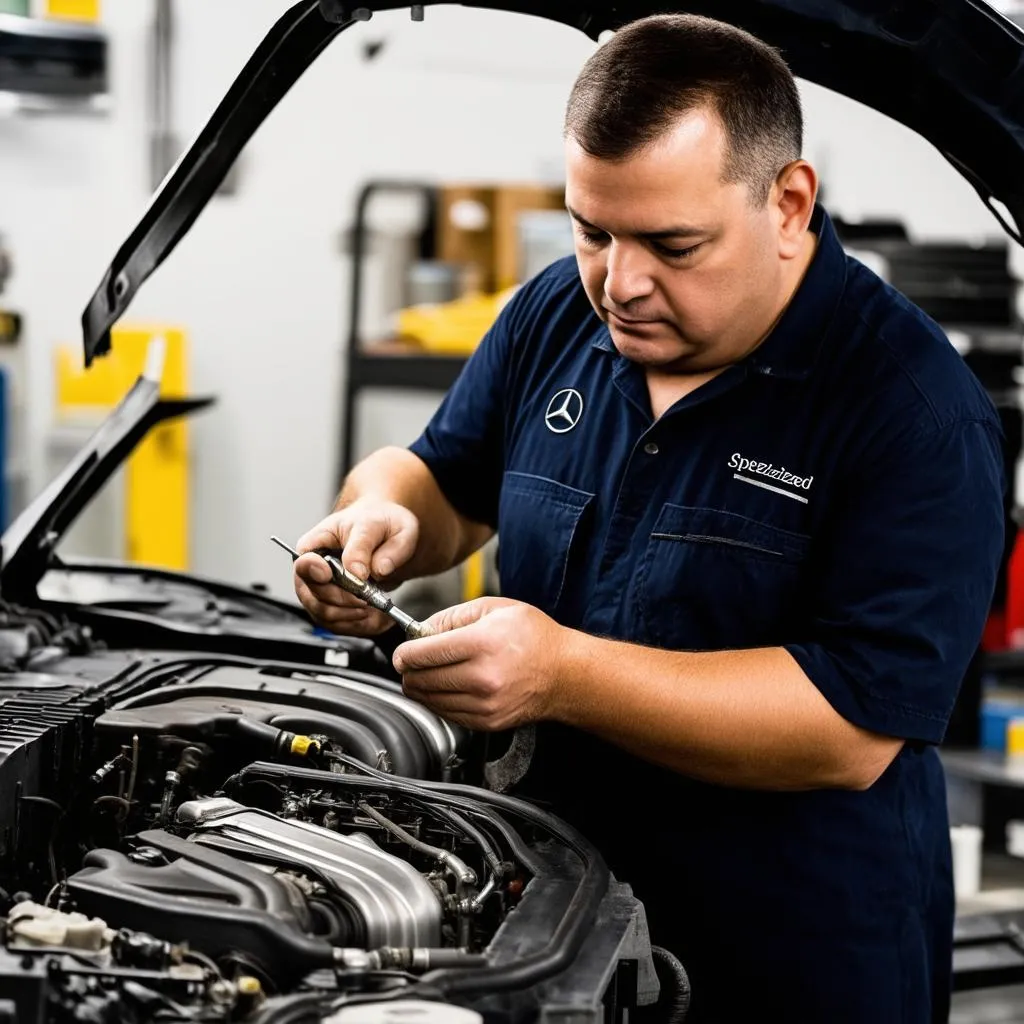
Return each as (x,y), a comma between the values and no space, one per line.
(837,493)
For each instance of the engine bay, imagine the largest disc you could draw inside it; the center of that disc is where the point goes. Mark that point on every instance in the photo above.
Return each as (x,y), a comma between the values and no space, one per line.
(201,836)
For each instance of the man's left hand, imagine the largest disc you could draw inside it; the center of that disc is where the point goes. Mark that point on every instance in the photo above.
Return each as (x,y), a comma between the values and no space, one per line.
(491,665)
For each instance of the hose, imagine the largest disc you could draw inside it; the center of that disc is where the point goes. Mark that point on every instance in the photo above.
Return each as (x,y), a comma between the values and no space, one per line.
(496,865)
(494,862)
(120,802)
(673,1003)
(462,872)
(135,768)
(520,851)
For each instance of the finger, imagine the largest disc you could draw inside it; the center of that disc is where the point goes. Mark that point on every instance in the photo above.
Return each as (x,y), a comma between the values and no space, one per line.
(306,599)
(363,540)
(459,678)
(360,621)
(324,603)
(326,610)
(466,614)
(397,548)
(329,593)
(437,651)
(313,569)
(330,533)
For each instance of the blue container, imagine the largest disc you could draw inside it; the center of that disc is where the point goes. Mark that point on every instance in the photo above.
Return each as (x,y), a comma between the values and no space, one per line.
(996,714)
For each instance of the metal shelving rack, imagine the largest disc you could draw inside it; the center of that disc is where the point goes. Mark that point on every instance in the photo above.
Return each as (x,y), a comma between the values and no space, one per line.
(386,364)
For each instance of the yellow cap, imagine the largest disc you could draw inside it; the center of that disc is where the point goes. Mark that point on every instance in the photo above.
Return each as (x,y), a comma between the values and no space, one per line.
(249,986)
(301,745)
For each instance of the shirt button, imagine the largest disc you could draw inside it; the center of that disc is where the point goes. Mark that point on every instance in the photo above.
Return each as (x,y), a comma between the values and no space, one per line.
(651,448)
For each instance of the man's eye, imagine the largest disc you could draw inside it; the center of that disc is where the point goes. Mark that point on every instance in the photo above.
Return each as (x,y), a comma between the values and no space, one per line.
(593,238)
(677,254)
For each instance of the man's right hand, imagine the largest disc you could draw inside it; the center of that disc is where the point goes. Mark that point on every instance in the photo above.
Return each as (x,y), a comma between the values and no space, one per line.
(377,538)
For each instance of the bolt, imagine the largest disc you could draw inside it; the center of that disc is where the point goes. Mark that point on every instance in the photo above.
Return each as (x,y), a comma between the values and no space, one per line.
(417,12)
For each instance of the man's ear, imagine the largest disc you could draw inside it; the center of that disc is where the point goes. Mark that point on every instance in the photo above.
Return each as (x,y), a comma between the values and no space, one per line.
(793,197)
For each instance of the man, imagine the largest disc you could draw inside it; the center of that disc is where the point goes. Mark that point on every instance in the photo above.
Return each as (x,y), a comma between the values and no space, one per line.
(749,505)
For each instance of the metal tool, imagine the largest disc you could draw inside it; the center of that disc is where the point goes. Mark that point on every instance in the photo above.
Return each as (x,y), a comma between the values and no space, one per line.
(501,774)
(366,591)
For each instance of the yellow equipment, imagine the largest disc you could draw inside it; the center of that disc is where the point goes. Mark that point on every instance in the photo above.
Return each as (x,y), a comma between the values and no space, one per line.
(156,493)
(73,10)
(453,328)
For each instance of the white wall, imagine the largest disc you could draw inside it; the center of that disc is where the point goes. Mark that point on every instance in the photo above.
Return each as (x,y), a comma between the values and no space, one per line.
(260,282)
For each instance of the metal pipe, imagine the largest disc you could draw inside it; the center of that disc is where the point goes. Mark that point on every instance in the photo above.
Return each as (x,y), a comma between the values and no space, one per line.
(478,900)
(462,871)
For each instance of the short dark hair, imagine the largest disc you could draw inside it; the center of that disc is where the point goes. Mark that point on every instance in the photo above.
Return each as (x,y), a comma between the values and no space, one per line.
(655,70)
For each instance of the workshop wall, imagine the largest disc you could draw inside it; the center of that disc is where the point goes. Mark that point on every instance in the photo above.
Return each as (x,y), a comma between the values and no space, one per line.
(261,282)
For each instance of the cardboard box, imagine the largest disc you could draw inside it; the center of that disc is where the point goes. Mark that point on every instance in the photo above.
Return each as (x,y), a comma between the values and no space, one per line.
(478,227)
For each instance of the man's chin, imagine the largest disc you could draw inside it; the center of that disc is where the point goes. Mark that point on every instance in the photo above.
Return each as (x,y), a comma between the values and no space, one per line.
(654,353)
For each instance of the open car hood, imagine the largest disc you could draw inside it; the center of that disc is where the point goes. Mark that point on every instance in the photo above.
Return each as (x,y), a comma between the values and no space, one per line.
(29,542)
(951,70)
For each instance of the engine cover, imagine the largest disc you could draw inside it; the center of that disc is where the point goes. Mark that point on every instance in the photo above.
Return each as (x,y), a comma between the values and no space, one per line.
(225,906)
(395,902)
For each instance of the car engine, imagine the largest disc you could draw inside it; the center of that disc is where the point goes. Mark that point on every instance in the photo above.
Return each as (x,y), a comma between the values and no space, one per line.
(195,836)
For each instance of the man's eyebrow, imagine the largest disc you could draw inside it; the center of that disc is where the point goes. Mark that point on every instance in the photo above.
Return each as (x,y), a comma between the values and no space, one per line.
(682,231)
(579,218)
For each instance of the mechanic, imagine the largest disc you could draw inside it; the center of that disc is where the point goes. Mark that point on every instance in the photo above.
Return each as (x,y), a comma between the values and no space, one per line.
(749,502)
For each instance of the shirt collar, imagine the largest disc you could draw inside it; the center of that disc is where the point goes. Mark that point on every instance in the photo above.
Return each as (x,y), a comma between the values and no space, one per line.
(792,347)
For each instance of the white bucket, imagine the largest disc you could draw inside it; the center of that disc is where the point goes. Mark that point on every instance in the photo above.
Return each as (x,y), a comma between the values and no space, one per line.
(966,840)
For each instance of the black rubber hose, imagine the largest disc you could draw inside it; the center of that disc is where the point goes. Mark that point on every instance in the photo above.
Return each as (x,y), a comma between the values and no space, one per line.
(575,925)
(674,1001)
(494,862)
(520,851)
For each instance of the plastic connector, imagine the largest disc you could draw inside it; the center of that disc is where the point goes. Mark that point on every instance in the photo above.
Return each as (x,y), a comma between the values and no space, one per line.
(305,745)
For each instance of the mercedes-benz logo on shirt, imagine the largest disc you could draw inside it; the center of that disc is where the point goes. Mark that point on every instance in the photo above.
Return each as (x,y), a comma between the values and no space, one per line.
(564,411)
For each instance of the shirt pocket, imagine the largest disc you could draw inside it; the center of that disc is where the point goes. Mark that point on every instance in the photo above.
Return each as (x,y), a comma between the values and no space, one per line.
(538,520)
(712,579)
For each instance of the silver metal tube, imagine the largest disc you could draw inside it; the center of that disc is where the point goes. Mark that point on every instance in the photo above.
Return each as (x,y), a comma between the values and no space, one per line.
(463,873)
(478,900)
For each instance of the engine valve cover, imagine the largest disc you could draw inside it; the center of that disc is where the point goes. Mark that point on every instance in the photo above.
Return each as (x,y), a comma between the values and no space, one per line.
(394,900)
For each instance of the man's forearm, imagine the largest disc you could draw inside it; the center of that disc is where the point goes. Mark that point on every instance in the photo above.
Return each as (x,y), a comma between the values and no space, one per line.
(397,475)
(747,718)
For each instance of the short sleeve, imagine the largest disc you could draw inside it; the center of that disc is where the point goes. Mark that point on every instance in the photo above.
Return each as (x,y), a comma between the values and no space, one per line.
(463,445)
(903,579)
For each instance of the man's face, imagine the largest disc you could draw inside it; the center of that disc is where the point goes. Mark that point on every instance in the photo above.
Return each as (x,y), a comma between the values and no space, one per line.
(683,269)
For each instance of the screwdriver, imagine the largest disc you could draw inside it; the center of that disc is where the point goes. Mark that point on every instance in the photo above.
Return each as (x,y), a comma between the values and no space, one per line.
(366,591)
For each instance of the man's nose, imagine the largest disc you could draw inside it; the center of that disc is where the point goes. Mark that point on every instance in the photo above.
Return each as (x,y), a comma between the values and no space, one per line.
(628,275)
